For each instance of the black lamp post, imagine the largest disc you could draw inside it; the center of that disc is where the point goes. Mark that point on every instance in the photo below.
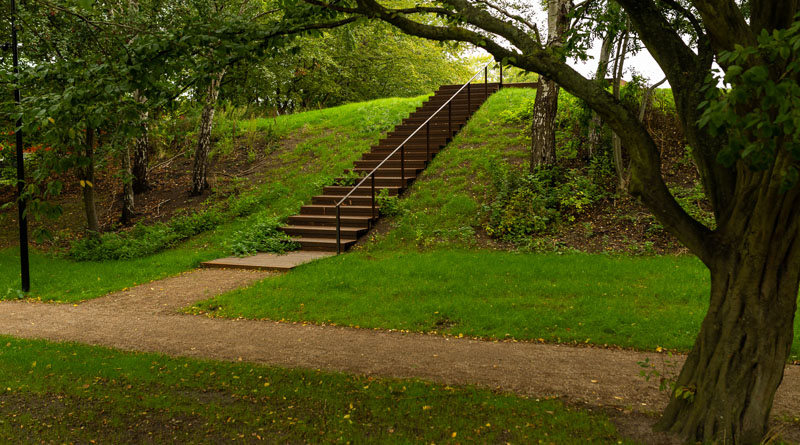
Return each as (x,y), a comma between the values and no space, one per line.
(23,218)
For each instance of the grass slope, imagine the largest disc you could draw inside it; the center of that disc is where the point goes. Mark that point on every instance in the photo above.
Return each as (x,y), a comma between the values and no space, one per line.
(318,145)
(410,277)
(56,392)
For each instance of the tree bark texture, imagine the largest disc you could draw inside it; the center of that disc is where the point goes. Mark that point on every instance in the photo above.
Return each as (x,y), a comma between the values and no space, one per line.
(737,361)
(86,174)
(200,170)
(543,126)
(128,203)
(545,106)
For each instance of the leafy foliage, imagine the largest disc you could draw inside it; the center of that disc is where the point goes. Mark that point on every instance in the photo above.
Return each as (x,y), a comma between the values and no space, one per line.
(263,236)
(144,240)
(760,113)
(527,204)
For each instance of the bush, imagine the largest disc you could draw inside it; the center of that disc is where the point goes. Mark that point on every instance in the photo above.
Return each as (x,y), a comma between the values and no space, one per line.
(527,204)
(263,236)
(389,205)
(144,240)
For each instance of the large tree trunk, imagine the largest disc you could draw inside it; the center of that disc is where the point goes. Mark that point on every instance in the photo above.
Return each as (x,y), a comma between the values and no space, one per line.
(141,153)
(200,171)
(596,124)
(86,176)
(737,362)
(545,107)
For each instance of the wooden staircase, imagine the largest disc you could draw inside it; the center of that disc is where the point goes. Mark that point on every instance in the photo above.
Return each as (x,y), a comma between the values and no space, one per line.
(315,227)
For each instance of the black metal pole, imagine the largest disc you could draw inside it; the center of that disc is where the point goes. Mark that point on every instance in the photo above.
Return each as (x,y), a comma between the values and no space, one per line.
(373,194)
(469,98)
(428,141)
(23,217)
(402,164)
(338,230)
(501,75)
(486,81)
(449,120)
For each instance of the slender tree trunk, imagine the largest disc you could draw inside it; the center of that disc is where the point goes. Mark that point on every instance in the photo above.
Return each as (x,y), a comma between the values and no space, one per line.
(543,127)
(545,107)
(86,176)
(200,171)
(596,124)
(737,362)
(141,153)
(127,189)
(623,172)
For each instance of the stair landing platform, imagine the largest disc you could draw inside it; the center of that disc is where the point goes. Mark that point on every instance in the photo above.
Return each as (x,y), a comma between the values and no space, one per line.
(269,261)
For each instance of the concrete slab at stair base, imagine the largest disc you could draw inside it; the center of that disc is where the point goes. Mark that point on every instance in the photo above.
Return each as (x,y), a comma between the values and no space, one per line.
(269,261)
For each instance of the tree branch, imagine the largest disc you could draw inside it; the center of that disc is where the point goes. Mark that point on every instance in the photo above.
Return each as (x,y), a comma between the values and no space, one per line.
(686,72)
(518,18)
(725,24)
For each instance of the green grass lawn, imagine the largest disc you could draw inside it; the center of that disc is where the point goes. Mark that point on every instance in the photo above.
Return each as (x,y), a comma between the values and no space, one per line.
(57,392)
(637,302)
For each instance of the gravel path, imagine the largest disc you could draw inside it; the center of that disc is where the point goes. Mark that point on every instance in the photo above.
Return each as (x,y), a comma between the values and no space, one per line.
(145,318)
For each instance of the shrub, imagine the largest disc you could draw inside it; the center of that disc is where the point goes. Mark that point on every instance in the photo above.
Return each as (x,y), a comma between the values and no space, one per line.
(263,236)
(527,204)
(144,240)
(389,205)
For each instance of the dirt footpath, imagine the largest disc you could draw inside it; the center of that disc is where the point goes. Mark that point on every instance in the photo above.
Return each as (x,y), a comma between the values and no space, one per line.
(145,318)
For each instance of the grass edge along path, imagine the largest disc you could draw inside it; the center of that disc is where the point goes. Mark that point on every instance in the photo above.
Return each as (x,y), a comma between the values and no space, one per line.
(646,303)
(65,391)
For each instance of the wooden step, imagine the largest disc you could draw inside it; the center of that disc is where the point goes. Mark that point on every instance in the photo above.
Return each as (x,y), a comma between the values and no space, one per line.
(439,131)
(385,149)
(369,164)
(364,190)
(362,221)
(330,210)
(460,99)
(453,108)
(323,244)
(353,200)
(418,139)
(477,83)
(388,171)
(409,156)
(321,232)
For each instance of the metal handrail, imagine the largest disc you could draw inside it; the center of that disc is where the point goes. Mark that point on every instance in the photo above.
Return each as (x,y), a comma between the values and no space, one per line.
(401,147)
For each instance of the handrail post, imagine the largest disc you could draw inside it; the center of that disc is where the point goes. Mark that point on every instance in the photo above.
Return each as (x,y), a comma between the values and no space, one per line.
(338,230)
(469,98)
(486,80)
(373,194)
(501,75)
(428,141)
(449,120)
(402,163)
